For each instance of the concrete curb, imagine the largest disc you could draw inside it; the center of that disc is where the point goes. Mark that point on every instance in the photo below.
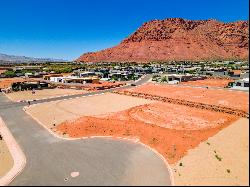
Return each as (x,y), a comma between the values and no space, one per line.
(50,97)
(6,95)
(95,94)
(53,97)
(18,101)
(134,140)
(16,153)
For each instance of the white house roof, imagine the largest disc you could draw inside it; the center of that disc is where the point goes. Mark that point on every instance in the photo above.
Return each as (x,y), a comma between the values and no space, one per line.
(245,80)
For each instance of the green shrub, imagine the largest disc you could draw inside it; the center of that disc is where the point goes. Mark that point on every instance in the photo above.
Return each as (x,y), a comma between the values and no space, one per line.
(9,73)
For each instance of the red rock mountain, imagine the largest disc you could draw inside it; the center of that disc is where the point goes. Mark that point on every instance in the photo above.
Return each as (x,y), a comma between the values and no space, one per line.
(179,39)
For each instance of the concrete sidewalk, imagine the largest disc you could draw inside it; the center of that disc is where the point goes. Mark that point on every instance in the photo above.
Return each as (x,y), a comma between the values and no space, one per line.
(16,153)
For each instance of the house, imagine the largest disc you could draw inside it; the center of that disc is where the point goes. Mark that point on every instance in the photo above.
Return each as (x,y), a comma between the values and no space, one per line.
(75,79)
(57,79)
(82,73)
(86,74)
(244,74)
(28,75)
(183,78)
(82,80)
(173,82)
(234,73)
(18,86)
(241,84)
(47,77)
(105,79)
(221,72)
(33,75)
(120,74)
(177,78)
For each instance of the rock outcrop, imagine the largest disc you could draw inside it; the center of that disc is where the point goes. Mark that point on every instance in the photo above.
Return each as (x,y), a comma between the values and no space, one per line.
(179,39)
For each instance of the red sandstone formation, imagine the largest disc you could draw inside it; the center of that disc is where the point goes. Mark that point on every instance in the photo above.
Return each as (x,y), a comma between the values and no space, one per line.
(179,39)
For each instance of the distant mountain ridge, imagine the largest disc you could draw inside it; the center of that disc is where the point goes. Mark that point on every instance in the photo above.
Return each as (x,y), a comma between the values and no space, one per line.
(179,39)
(4,58)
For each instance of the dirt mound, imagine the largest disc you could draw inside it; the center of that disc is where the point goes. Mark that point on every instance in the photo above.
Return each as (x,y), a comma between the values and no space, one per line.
(169,116)
(179,39)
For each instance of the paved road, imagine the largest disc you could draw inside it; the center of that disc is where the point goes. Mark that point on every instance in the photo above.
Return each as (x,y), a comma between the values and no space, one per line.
(100,161)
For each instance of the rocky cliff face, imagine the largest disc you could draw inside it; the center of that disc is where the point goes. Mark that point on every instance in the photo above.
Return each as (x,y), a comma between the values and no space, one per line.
(179,39)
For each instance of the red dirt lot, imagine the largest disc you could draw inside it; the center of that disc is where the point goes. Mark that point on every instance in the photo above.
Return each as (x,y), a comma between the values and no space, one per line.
(175,116)
(6,82)
(94,86)
(208,82)
(231,99)
(170,129)
(106,84)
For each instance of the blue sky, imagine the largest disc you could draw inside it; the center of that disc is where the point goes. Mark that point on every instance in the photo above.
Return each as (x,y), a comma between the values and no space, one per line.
(67,28)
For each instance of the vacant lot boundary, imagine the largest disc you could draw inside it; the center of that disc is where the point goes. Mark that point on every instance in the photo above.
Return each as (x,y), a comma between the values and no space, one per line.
(204,106)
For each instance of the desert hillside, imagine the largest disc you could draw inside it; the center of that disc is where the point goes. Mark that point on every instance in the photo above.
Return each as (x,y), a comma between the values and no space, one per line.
(179,39)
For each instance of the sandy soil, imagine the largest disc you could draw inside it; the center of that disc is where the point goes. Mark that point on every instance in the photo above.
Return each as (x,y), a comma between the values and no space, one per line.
(107,84)
(6,82)
(60,111)
(41,94)
(104,85)
(208,96)
(6,160)
(201,167)
(93,86)
(158,132)
(173,116)
(208,82)
(2,71)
